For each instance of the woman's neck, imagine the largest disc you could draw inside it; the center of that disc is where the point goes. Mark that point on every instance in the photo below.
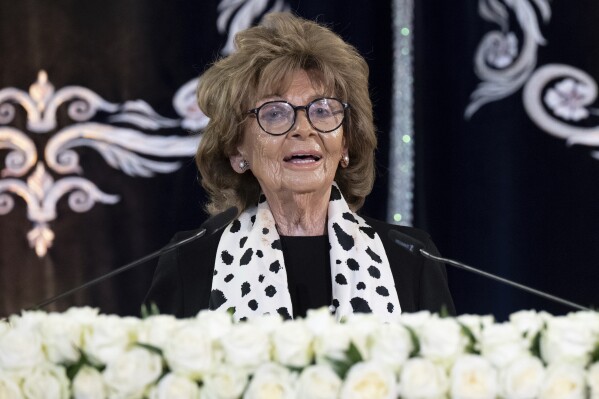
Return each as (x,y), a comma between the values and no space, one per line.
(300,214)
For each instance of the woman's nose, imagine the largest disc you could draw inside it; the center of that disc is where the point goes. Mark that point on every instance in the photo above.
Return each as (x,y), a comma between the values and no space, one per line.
(302,126)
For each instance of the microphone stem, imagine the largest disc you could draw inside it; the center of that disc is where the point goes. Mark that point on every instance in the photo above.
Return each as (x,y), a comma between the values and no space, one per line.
(120,270)
(503,280)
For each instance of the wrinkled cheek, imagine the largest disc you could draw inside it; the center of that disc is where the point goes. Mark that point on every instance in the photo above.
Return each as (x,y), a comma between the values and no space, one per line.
(268,174)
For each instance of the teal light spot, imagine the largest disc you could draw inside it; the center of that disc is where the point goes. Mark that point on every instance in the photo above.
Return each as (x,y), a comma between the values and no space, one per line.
(405,31)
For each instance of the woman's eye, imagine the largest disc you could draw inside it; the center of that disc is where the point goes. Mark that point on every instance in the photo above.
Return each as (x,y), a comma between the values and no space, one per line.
(273,114)
(321,112)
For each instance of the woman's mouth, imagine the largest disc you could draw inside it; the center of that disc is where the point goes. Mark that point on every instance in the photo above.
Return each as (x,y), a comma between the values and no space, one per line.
(300,159)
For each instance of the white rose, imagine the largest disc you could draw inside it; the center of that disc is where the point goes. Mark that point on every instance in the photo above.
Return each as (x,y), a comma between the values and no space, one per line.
(590,318)
(475,323)
(319,320)
(61,337)
(82,315)
(522,378)
(473,377)
(156,330)
(246,346)
(9,386)
(415,320)
(441,340)
(89,384)
(107,337)
(332,344)
(422,379)
(175,386)
(20,348)
(563,381)
(567,340)
(391,345)
(369,380)
(528,322)
(132,372)
(292,342)
(593,380)
(267,323)
(361,327)
(502,343)
(28,319)
(215,324)
(224,382)
(46,381)
(189,350)
(271,381)
(318,382)
(4,326)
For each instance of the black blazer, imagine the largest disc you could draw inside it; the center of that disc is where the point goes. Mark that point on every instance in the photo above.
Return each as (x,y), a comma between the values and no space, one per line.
(183,278)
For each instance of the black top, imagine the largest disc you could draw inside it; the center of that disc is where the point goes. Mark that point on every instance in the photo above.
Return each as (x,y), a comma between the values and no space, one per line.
(183,279)
(308,272)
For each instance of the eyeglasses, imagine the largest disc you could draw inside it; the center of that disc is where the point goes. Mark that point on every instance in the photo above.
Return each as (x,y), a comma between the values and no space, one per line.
(278,117)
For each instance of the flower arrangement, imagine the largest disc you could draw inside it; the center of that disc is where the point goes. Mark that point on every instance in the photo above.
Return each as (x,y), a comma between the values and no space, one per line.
(84,354)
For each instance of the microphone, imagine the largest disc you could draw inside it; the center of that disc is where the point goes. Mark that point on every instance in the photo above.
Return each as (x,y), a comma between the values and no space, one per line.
(416,248)
(209,227)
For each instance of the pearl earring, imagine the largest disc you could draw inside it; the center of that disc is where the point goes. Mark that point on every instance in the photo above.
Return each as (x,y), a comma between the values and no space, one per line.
(244,165)
(345,161)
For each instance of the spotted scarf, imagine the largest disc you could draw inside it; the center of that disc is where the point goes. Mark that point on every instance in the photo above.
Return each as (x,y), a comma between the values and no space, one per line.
(250,276)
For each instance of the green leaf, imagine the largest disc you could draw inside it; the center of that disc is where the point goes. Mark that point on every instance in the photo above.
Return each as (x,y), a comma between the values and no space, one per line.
(151,348)
(231,311)
(415,341)
(340,367)
(151,311)
(443,312)
(595,354)
(471,346)
(74,368)
(535,345)
(351,356)
(84,360)
(295,369)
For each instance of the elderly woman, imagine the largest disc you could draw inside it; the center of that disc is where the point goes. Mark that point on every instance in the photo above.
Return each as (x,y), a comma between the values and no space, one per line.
(291,144)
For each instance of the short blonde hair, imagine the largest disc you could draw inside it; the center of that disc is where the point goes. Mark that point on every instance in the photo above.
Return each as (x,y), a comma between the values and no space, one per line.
(265,58)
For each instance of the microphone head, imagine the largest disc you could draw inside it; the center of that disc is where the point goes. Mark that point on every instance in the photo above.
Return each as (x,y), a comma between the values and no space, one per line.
(406,242)
(219,221)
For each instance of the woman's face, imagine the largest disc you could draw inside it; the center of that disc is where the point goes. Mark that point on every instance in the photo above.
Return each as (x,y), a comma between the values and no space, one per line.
(302,160)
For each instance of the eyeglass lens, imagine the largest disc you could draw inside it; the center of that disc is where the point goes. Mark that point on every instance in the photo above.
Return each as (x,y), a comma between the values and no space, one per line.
(325,115)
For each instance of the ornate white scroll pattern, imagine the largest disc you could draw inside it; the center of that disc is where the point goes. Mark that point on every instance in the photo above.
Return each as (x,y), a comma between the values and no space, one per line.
(41,193)
(22,153)
(120,148)
(125,149)
(500,63)
(557,98)
(236,15)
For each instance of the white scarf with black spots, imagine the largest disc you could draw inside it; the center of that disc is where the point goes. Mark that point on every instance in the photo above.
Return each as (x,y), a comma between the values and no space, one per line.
(250,275)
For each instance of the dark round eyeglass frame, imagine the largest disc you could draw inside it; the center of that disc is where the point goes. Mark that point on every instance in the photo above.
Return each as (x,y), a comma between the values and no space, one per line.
(255,112)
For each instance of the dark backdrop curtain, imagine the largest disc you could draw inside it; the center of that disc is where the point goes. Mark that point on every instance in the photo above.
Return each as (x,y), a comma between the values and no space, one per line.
(496,191)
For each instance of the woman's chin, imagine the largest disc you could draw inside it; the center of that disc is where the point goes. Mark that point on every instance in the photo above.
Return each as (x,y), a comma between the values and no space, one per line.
(308,186)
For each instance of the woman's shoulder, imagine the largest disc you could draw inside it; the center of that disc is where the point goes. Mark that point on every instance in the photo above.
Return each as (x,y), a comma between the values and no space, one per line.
(382,228)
